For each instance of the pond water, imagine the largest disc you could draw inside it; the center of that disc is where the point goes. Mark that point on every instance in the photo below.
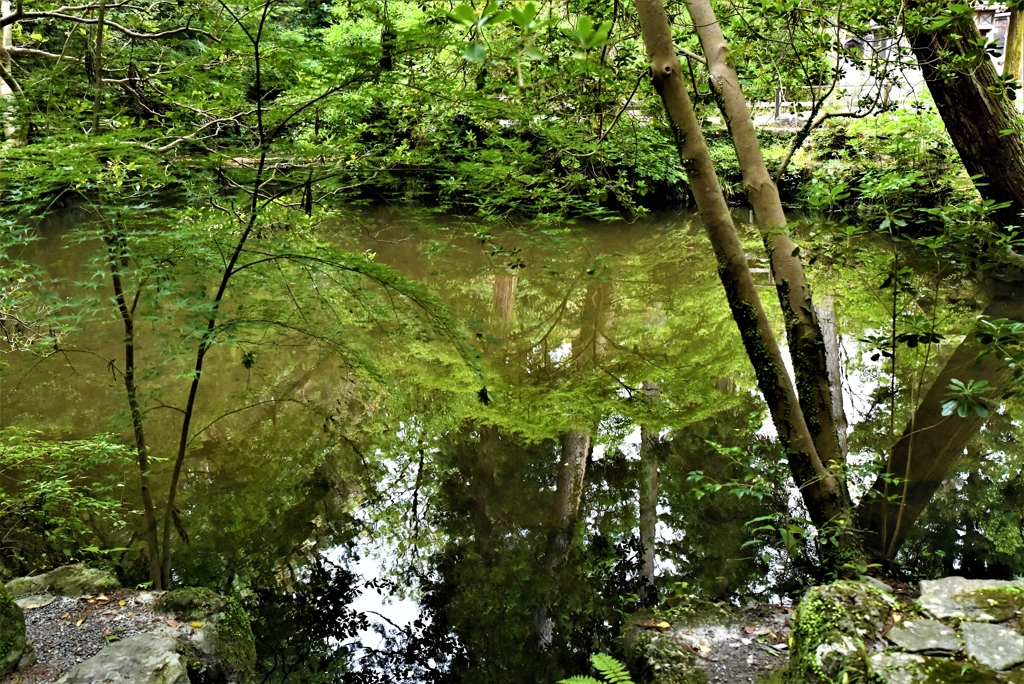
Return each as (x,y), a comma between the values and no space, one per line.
(473,425)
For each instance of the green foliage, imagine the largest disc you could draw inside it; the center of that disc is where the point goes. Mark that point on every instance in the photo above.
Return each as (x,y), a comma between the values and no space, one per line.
(610,669)
(59,498)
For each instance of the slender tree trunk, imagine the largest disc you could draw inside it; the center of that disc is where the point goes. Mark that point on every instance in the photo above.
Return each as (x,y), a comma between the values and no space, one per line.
(981,120)
(204,347)
(117,263)
(14,134)
(1013,55)
(97,103)
(926,455)
(806,346)
(819,487)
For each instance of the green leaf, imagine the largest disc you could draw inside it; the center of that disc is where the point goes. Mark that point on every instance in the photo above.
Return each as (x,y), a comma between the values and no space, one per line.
(463,14)
(475,52)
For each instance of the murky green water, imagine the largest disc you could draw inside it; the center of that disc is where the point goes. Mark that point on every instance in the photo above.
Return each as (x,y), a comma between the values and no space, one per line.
(489,468)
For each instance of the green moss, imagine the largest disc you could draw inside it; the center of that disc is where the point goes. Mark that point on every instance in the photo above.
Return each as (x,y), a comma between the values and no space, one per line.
(12,632)
(1002,603)
(943,671)
(832,626)
(227,625)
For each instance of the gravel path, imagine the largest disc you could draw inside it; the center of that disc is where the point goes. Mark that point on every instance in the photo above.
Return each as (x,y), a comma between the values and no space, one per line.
(754,645)
(65,630)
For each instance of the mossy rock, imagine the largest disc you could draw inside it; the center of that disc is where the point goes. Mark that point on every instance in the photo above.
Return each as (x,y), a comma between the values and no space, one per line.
(223,643)
(13,644)
(69,580)
(912,668)
(833,629)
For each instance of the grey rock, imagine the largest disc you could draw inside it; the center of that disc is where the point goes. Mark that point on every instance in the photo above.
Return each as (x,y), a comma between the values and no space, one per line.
(35,601)
(924,635)
(980,600)
(139,659)
(70,580)
(992,645)
(876,583)
(898,668)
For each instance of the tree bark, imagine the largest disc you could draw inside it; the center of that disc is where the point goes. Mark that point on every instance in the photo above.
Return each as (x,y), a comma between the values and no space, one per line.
(503,303)
(981,120)
(806,345)
(819,487)
(927,454)
(117,263)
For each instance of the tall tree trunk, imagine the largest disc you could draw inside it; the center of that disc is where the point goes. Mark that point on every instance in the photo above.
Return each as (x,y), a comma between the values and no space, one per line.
(981,120)
(927,453)
(117,264)
(1013,55)
(806,346)
(818,485)
(14,133)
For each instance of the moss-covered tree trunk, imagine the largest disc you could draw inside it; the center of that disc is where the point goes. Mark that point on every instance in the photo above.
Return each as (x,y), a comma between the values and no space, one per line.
(806,345)
(821,491)
(972,100)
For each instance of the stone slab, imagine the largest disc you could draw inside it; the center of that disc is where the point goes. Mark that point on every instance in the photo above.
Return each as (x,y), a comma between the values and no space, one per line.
(139,659)
(993,646)
(898,668)
(918,636)
(34,601)
(978,600)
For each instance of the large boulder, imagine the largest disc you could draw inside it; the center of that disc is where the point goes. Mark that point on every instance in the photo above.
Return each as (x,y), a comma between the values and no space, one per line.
(15,651)
(833,630)
(69,580)
(222,644)
(139,659)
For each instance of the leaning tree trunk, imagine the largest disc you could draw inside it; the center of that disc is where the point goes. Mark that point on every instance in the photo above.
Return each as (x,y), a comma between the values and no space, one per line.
(929,450)
(806,345)
(981,120)
(819,487)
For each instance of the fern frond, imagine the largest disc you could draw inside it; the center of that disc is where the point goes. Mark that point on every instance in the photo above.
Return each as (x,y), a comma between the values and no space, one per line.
(611,669)
(579,679)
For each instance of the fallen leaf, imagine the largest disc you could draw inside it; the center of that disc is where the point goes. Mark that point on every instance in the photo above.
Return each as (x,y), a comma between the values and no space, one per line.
(896,617)
(33,606)
(197,625)
(122,603)
(172,622)
(101,597)
(66,615)
(79,623)
(704,649)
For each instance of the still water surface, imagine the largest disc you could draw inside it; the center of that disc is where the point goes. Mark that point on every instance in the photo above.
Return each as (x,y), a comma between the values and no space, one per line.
(490,479)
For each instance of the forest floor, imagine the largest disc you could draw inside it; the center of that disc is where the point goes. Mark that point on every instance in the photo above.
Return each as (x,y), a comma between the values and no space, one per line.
(67,630)
(748,649)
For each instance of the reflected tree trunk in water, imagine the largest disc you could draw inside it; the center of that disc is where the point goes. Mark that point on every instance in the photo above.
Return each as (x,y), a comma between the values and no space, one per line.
(927,454)
(649,451)
(587,349)
(503,303)
(830,338)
